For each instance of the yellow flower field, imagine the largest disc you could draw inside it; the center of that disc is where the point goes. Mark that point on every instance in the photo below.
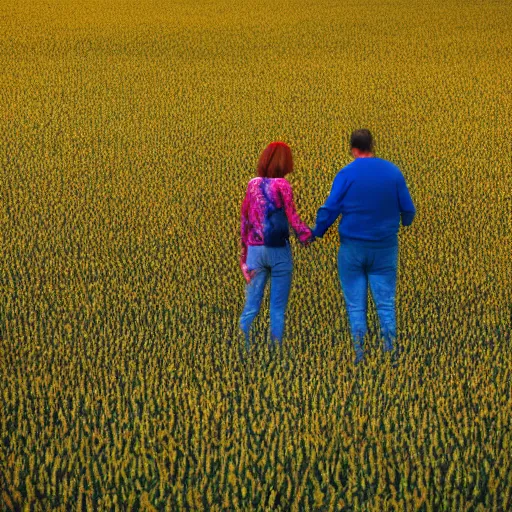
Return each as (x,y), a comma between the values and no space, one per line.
(129,130)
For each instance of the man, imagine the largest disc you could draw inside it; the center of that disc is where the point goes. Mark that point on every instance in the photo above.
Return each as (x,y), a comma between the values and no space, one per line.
(371,195)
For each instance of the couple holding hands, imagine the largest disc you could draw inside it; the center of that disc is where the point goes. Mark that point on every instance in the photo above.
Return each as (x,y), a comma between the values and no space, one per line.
(372,198)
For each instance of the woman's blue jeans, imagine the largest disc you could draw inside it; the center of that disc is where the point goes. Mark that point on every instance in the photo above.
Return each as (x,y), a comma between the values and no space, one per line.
(274,263)
(360,265)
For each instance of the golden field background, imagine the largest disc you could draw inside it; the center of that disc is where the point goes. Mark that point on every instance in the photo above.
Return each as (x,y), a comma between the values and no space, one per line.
(129,130)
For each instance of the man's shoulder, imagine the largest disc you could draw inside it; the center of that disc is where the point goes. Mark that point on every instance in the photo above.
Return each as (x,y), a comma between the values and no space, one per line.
(347,169)
(387,169)
(362,168)
(387,164)
(355,166)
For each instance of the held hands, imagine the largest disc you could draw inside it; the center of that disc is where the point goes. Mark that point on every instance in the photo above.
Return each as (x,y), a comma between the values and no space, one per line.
(308,241)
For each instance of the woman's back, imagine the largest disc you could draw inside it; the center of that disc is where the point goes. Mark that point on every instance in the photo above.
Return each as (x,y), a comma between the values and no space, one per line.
(266,218)
(267,211)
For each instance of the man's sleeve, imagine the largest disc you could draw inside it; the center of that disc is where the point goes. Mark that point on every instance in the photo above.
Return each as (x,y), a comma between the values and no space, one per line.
(407,209)
(331,209)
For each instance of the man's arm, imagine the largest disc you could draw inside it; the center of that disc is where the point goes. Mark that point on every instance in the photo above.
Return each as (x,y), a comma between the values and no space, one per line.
(331,209)
(407,209)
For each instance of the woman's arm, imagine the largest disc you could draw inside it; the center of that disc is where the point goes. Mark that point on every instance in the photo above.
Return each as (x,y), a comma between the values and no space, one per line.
(244,237)
(301,229)
(244,229)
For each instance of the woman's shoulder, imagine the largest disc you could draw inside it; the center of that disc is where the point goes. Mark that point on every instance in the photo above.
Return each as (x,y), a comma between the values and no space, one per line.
(281,182)
(253,183)
(273,183)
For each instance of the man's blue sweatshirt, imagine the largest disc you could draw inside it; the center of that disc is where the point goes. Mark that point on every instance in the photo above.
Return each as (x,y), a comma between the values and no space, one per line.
(371,195)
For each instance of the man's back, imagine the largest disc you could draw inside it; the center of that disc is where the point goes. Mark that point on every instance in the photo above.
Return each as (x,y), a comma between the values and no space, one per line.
(371,195)
(371,207)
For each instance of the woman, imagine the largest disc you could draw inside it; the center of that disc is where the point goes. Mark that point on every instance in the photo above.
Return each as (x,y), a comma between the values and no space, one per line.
(267,211)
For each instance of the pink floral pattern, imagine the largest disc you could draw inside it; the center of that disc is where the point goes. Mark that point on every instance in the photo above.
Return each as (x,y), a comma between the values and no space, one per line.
(264,198)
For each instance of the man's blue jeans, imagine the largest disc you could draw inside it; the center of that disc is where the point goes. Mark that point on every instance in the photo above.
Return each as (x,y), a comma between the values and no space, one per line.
(360,265)
(274,263)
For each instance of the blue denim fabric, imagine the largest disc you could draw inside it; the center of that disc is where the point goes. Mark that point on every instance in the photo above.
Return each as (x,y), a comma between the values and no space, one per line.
(360,265)
(274,263)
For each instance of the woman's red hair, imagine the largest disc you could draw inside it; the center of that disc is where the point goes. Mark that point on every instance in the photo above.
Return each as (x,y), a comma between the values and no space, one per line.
(276,161)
